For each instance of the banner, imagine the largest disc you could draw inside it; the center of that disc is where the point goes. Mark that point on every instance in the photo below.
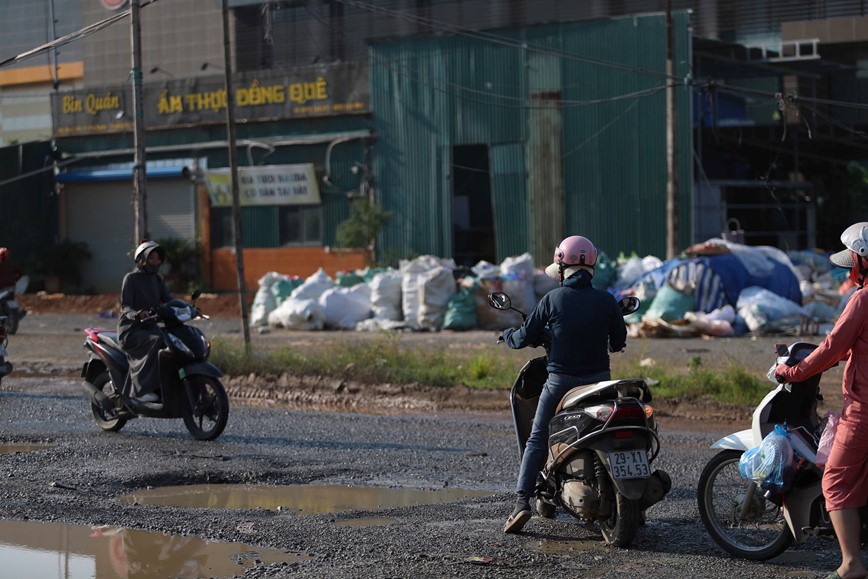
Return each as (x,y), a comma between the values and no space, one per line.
(267,185)
(326,90)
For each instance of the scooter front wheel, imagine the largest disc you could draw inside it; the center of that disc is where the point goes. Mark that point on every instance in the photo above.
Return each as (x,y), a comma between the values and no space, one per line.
(736,514)
(209,413)
(105,420)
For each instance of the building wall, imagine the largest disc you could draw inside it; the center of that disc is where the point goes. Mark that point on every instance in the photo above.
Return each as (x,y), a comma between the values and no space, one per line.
(609,148)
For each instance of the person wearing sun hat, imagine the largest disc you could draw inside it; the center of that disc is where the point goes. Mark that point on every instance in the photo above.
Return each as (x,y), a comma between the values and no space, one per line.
(845,477)
(585,324)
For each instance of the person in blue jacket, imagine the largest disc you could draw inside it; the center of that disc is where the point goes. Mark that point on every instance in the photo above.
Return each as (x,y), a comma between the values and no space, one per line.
(585,324)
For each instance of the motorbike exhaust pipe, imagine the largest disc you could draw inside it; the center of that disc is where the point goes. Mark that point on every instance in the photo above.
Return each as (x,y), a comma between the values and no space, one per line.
(98,397)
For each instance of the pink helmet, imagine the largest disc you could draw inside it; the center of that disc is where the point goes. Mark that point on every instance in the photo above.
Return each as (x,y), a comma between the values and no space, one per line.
(573,253)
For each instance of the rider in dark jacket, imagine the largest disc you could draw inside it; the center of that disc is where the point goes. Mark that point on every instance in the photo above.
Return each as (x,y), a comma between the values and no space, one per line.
(585,324)
(142,292)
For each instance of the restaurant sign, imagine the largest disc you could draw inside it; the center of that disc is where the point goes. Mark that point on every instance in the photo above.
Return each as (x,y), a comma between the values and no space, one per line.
(266,95)
(266,185)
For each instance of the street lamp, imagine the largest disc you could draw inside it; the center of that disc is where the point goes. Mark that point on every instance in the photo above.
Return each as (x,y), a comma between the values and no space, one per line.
(207,65)
(157,69)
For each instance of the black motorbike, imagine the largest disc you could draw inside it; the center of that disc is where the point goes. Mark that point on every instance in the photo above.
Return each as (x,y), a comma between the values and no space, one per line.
(190,386)
(10,310)
(602,442)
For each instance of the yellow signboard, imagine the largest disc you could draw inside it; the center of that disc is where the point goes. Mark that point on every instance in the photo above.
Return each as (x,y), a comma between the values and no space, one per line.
(267,185)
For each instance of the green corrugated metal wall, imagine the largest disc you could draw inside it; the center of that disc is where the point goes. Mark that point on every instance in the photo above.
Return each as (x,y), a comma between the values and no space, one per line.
(28,206)
(431,94)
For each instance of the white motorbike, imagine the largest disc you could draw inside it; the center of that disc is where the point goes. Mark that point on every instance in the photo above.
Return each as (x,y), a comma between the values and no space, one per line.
(746,520)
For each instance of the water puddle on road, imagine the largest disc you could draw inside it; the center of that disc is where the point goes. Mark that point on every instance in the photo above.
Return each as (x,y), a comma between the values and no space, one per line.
(304,499)
(561,548)
(16,448)
(52,550)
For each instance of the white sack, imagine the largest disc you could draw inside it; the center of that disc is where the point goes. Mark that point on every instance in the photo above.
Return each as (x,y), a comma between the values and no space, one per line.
(436,288)
(264,301)
(766,310)
(296,314)
(518,281)
(345,307)
(410,283)
(313,287)
(386,296)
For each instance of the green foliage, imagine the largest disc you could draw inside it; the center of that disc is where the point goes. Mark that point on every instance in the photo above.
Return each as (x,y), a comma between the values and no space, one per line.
(183,259)
(364,224)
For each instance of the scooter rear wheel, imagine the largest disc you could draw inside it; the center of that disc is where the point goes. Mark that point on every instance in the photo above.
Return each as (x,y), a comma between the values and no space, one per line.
(103,419)
(736,514)
(619,529)
(210,412)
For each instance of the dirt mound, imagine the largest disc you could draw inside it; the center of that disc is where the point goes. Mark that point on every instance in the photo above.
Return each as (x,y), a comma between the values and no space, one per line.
(215,305)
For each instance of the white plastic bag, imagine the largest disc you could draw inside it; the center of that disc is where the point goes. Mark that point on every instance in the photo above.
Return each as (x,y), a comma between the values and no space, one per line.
(827,438)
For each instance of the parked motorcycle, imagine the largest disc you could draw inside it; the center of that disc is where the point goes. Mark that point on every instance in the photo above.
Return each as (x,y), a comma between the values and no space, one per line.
(190,386)
(9,307)
(5,366)
(602,442)
(743,518)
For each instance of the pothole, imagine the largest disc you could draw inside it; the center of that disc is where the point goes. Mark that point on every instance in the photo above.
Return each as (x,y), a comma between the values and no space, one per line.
(53,550)
(304,499)
(13,448)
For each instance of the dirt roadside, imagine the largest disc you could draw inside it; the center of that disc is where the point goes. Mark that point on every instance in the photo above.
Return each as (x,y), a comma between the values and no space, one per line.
(343,394)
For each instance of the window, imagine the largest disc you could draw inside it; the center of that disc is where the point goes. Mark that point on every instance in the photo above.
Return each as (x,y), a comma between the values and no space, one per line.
(269,226)
(300,225)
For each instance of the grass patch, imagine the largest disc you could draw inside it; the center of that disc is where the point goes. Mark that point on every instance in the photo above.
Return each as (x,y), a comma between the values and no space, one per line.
(385,360)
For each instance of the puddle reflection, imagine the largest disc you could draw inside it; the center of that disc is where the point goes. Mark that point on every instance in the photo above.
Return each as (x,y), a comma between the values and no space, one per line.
(306,499)
(14,448)
(52,550)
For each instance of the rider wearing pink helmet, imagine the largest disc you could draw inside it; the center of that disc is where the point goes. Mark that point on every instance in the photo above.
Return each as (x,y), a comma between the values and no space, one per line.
(584,325)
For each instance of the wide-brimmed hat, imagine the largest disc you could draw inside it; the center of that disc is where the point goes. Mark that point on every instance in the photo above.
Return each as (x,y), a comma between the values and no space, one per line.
(843,258)
(553,269)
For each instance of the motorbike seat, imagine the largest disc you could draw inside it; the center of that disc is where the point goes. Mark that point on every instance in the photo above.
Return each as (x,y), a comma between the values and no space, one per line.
(608,388)
(110,338)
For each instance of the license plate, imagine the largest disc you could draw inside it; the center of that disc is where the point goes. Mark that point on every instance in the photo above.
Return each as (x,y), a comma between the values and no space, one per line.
(629,464)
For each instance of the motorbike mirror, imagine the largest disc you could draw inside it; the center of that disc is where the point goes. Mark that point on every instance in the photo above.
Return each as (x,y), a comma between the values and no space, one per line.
(628,305)
(499,301)
(196,294)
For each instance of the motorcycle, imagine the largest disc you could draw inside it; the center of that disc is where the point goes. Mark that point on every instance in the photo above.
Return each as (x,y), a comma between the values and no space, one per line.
(9,307)
(190,386)
(602,442)
(743,518)
(5,366)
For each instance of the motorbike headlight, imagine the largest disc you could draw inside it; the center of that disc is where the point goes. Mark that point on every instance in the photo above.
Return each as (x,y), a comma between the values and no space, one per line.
(179,345)
(184,314)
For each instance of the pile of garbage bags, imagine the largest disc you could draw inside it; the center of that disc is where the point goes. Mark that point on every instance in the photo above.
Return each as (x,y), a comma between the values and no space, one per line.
(718,288)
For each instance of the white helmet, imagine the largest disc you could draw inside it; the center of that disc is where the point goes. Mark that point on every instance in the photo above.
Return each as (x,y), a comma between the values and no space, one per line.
(145,248)
(855,239)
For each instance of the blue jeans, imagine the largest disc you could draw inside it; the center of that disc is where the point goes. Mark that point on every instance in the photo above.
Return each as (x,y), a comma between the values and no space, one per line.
(536,448)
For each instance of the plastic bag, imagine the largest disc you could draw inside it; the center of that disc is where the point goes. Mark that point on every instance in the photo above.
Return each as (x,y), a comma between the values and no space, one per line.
(827,438)
(770,464)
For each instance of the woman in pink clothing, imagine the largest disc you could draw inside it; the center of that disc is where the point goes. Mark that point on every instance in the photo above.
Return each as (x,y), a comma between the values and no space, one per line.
(845,478)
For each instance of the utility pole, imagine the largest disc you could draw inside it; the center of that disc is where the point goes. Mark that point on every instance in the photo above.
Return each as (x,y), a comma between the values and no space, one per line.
(140,198)
(672,243)
(233,169)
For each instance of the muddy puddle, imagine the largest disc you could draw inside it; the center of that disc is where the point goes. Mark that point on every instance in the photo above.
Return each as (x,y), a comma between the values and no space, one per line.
(303,499)
(58,551)
(12,448)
